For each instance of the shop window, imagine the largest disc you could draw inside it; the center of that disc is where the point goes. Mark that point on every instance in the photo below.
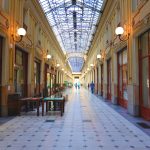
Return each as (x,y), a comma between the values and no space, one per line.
(37,77)
(1,41)
(49,84)
(20,72)
(144,53)
(5,5)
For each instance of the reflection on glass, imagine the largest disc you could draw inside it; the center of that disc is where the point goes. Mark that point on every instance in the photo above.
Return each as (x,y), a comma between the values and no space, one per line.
(145,78)
(37,78)
(49,83)
(123,75)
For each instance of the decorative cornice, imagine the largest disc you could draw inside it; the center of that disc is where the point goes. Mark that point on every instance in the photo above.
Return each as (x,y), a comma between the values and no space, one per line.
(4,23)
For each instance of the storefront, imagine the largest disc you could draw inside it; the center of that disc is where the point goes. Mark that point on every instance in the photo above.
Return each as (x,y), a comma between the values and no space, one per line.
(144,74)
(37,66)
(1,40)
(122,78)
(109,79)
(20,72)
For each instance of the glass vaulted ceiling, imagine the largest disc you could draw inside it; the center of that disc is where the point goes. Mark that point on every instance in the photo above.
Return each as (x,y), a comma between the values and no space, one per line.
(74,23)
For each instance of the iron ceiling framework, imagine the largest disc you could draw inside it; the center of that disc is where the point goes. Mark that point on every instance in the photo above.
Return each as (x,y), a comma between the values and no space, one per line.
(74,24)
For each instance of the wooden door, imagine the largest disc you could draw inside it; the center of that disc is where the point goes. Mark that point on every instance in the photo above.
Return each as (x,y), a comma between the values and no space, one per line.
(122,78)
(144,74)
(109,79)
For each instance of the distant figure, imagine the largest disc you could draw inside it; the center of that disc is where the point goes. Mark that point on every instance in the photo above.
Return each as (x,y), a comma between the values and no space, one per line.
(88,86)
(76,85)
(92,85)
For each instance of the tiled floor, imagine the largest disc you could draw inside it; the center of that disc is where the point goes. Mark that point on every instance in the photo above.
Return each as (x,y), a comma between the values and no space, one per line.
(88,124)
(124,112)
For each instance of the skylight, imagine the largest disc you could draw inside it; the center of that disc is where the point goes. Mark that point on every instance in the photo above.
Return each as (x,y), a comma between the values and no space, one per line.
(74,23)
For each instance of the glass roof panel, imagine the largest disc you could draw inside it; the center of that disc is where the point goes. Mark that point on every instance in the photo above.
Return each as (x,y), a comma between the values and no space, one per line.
(74,23)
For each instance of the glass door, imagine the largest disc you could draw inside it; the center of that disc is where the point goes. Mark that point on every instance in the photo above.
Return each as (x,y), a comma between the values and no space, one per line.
(109,79)
(102,80)
(49,84)
(97,80)
(144,74)
(0,71)
(122,78)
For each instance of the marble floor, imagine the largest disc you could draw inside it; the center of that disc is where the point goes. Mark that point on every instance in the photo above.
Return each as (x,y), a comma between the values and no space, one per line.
(88,123)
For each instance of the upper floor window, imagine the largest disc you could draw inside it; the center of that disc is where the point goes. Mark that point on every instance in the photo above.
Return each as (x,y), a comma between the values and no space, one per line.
(4,5)
(136,4)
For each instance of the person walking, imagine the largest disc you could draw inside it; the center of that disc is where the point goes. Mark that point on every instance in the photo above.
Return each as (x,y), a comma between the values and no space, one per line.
(76,85)
(92,85)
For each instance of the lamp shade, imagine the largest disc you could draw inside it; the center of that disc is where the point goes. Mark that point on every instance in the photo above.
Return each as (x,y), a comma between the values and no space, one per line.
(99,56)
(119,31)
(49,56)
(21,32)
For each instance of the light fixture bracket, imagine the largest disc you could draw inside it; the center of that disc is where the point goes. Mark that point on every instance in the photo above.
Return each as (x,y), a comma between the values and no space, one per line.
(19,40)
(122,38)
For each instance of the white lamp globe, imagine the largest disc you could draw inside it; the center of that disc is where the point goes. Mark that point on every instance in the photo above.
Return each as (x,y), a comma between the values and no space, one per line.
(91,65)
(99,56)
(49,56)
(119,31)
(21,32)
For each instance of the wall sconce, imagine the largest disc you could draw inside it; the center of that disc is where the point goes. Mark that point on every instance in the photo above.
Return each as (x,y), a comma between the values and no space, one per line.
(48,56)
(119,32)
(21,32)
(100,56)
(91,65)
(58,65)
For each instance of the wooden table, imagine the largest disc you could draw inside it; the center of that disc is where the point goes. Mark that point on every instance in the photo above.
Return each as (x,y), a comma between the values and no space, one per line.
(60,100)
(26,100)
